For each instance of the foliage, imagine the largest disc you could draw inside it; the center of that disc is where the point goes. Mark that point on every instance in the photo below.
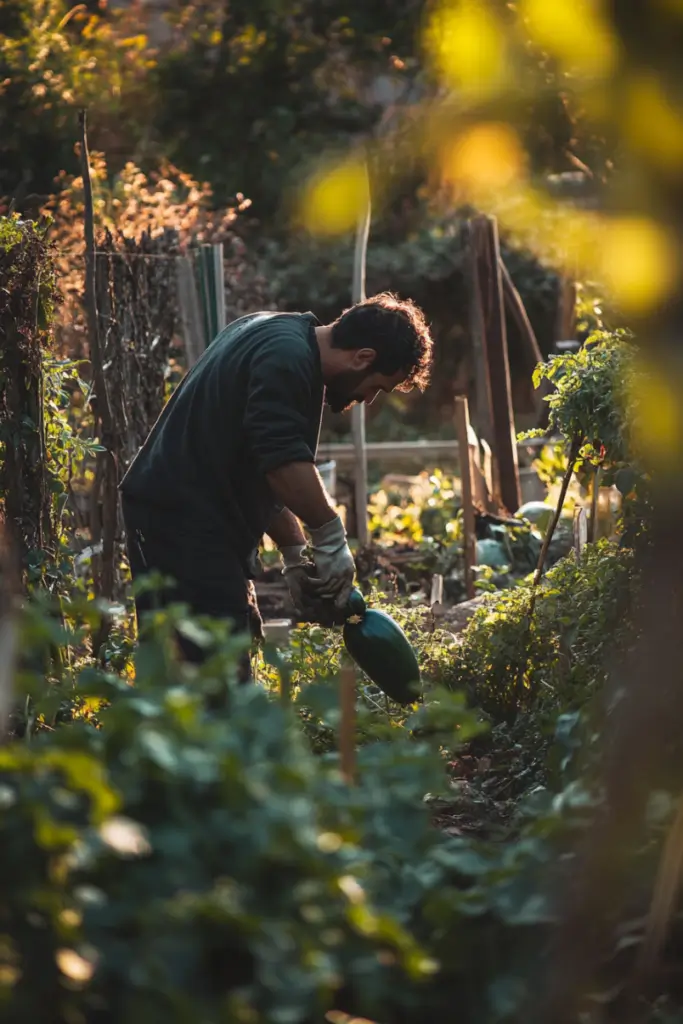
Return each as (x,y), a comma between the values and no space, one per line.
(508,663)
(28,298)
(428,510)
(56,57)
(595,403)
(590,397)
(131,203)
(144,848)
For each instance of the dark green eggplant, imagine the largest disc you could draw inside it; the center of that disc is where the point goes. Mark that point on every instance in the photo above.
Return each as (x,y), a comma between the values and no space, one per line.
(381,649)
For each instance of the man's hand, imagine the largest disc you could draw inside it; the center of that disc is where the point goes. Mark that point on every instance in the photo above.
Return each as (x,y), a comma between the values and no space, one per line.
(298,486)
(296,573)
(335,567)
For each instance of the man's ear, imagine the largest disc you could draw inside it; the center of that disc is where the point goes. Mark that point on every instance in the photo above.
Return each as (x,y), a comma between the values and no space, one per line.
(363,358)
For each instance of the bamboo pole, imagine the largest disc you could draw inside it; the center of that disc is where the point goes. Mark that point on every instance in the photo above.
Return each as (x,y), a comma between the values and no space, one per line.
(358,411)
(347,723)
(462,420)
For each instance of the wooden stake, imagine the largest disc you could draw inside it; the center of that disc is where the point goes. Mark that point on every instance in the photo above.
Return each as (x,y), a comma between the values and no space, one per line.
(190,315)
(358,411)
(107,458)
(484,401)
(462,420)
(515,306)
(580,531)
(530,347)
(219,285)
(489,297)
(595,509)
(347,723)
(9,629)
(103,403)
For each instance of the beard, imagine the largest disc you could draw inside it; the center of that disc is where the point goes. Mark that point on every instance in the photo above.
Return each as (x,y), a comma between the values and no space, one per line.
(343,392)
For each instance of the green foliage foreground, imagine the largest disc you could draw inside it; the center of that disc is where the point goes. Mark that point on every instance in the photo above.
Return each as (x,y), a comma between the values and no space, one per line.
(175,851)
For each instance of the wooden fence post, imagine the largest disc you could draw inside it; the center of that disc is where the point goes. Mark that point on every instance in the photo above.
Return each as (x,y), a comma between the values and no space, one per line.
(462,422)
(212,289)
(488,297)
(188,302)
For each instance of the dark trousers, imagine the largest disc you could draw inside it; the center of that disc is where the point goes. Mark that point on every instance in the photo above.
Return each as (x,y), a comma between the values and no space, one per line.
(221,591)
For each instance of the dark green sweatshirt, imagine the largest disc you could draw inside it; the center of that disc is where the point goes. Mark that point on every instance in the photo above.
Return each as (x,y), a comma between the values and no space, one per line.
(252,403)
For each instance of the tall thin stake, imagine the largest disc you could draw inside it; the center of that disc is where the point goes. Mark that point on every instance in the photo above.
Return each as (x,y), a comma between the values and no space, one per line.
(462,423)
(358,411)
(103,404)
(595,506)
(347,724)
(9,631)
(107,458)
(538,575)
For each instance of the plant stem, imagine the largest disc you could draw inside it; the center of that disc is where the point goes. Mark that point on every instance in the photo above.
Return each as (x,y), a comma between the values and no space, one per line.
(538,575)
(573,452)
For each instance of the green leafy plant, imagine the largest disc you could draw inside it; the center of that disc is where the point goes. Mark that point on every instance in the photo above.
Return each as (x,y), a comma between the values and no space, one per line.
(507,663)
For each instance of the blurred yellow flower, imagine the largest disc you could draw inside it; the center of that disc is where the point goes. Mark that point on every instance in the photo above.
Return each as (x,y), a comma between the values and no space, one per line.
(575,32)
(636,261)
(657,423)
(651,124)
(335,198)
(466,46)
(484,158)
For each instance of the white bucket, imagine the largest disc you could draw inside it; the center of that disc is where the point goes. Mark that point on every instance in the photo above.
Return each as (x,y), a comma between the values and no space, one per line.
(328,472)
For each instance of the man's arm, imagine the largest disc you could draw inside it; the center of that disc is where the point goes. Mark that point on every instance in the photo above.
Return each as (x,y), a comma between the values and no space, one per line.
(299,487)
(285,530)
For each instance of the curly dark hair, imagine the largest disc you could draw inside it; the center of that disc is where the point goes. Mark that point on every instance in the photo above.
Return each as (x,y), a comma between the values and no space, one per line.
(398,332)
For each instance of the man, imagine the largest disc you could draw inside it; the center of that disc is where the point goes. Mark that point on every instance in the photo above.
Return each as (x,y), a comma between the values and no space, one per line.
(232,455)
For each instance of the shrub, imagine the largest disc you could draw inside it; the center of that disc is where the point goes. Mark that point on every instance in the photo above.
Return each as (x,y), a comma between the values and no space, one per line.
(174,863)
(508,663)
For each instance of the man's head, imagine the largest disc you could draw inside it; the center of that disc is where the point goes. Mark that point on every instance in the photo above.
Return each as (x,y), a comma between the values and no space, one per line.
(382,344)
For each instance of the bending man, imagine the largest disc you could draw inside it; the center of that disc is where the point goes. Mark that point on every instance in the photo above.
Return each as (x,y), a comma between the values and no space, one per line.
(232,455)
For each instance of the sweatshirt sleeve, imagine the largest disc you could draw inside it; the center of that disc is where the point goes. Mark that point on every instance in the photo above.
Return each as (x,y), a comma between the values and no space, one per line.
(279,403)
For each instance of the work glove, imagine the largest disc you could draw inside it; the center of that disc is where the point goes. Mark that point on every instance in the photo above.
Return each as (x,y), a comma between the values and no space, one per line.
(334,564)
(296,572)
